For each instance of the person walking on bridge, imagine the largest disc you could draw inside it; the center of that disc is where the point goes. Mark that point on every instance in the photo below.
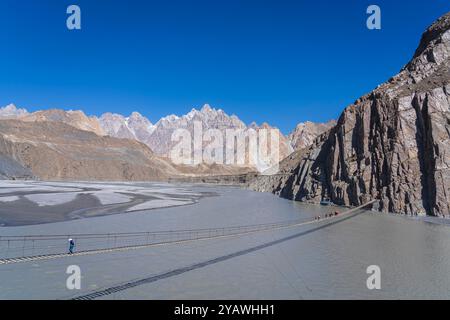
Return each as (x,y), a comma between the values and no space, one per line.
(71,245)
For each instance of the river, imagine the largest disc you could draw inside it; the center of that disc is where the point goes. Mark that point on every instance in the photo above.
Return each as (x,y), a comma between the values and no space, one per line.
(327,260)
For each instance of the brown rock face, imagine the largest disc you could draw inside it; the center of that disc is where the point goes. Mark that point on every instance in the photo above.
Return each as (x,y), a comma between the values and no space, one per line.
(392,144)
(54,150)
(76,119)
(305,133)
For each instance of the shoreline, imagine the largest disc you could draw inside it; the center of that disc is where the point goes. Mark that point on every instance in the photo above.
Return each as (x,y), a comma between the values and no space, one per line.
(44,202)
(41,216)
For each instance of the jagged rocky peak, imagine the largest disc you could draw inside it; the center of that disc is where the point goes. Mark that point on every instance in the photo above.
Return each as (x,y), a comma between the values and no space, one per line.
(391,145)
(305,133)
(430,62)
(137,117)
(140,127)
(11,111)
(115,125)
(167,121)
(136,120)
(75,118)
(160,140)
(211,116)
(108,116)
(206,108)
(264,125)
(434,47)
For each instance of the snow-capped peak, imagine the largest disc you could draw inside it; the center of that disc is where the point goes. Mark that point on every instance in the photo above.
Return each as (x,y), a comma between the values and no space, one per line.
(11,111)
(170,118)
(206,108)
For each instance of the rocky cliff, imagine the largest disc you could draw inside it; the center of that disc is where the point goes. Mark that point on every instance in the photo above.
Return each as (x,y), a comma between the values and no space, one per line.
(305,133)
(392,144)
(10,169)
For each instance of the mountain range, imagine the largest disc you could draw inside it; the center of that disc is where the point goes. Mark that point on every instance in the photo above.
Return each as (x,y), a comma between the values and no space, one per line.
(157,137)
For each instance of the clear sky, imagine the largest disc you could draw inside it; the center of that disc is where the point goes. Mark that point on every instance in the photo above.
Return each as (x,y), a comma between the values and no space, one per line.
(277,61)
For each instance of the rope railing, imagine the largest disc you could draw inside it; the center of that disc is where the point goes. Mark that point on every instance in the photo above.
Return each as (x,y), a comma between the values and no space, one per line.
(25,248)
(17,246)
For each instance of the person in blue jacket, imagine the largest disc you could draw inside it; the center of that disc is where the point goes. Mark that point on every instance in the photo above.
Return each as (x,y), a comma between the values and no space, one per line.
(71,246)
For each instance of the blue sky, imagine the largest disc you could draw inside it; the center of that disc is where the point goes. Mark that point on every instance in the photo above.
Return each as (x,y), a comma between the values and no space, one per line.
(277,61)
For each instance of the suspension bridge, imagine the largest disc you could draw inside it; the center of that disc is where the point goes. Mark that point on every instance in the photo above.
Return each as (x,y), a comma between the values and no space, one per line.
(17,249)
